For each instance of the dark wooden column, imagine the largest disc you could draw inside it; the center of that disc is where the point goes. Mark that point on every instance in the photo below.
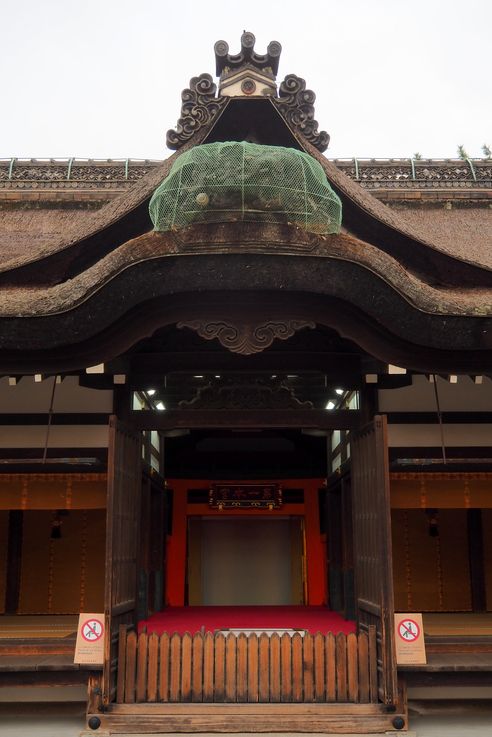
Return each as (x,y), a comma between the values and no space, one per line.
(14,561)
(475,549)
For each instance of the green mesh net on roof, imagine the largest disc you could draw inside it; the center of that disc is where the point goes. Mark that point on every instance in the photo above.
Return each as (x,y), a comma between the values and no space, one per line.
(238,181)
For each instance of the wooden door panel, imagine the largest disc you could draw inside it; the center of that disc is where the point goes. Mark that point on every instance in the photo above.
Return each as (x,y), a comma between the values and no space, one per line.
(122,533)
(372,546)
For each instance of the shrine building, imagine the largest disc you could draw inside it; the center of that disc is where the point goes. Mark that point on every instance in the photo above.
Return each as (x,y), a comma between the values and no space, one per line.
(246,417)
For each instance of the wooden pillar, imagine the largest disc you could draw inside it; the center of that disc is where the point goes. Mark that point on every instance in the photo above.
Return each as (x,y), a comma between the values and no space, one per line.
(176,549)
(476,557)
(316,564)
(14,561)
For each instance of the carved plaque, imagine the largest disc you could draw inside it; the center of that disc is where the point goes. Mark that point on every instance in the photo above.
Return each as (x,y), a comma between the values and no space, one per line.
(245,496)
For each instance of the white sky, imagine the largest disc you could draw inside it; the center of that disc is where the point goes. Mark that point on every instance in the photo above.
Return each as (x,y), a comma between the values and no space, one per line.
(103,78)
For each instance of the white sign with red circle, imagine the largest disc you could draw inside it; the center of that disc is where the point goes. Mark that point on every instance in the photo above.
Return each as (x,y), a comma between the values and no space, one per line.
(92,630)
(89,648)
(409,630)
(409,639)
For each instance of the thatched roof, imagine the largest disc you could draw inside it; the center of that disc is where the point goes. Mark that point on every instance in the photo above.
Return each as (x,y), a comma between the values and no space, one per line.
(41,209)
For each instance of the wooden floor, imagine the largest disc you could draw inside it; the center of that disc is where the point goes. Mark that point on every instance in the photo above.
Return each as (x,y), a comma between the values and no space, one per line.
(460,624)
(37,627)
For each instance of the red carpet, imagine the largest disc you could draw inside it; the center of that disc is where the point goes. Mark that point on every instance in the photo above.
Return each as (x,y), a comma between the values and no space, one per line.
(211,618)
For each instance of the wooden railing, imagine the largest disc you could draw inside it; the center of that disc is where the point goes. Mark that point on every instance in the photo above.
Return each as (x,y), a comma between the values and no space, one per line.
(240,668)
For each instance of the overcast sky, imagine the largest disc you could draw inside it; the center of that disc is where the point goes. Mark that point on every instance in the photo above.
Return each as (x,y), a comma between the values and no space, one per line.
(103,78)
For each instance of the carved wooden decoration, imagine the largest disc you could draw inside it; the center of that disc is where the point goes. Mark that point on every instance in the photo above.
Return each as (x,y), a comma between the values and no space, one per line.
(201,103)
(199,107)
(296,105)
(246,338)
(246,392)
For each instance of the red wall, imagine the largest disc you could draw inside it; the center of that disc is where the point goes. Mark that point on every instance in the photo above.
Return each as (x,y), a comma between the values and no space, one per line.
(316,574)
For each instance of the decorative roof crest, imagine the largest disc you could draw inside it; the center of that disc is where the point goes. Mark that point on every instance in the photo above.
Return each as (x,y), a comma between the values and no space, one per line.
(247,74)
(226,63)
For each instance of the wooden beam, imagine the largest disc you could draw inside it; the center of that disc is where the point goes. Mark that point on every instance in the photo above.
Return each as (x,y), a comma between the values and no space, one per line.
(336,364)
(60,418)
(430,418)
(298,418)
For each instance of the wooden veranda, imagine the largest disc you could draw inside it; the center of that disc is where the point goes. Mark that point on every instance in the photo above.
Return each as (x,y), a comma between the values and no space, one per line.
(251,683)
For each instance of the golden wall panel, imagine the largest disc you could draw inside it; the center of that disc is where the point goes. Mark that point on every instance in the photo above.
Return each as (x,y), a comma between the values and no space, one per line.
(430,573)
(487,554)
(62,575)
(4,529)
(53,491)
(441,490)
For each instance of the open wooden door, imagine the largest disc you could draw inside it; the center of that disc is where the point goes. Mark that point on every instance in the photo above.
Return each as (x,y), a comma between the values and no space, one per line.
(122,528)
(372,547)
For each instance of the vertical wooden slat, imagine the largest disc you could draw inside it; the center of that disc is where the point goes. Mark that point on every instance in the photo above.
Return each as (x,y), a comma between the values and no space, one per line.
(264,668)
(219,676)
(249,669)
(275,667)
(208,668)
(153,647)
(120,687)
(242,668)
(373,666)
(230,668)
(297,680)
(175,667)
(308,667)
(331,667)
(341,649)
(253,668)
(319,667)
(197,676)
(352,668)
(142,667)
(164,666)
(363,648)
(186,667)
(131,667)
(286,667)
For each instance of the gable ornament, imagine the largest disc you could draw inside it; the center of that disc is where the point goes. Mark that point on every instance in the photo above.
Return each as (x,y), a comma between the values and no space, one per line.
(243,337)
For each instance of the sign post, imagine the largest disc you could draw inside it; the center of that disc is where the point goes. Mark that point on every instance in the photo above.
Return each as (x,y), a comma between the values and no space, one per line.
(89,649)
(409,638)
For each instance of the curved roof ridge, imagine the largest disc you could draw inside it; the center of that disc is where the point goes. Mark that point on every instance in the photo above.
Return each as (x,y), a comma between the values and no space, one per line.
(61,298)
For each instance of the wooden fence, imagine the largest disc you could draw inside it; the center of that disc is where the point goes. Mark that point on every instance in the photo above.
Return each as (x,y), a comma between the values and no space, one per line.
(240,668)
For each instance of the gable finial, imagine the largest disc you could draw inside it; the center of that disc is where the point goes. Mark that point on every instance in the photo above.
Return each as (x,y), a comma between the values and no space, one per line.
(247,73)
(247,55)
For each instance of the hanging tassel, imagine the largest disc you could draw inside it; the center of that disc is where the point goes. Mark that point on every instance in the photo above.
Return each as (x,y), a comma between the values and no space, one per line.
(56,527)
(433,522)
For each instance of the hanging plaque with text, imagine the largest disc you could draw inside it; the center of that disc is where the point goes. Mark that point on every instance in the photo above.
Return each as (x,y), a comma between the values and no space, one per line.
(245,496)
